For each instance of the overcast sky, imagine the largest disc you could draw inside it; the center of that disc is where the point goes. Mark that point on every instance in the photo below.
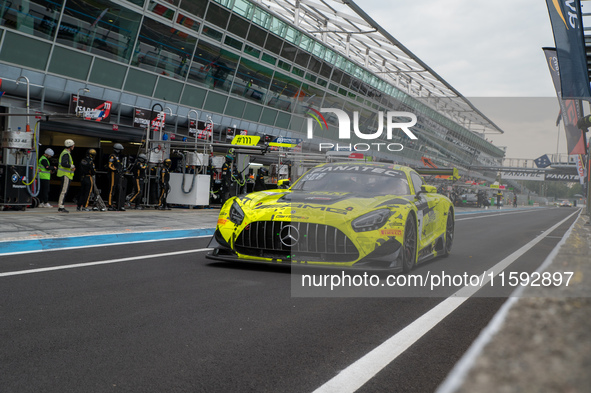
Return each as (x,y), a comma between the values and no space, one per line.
(486,49)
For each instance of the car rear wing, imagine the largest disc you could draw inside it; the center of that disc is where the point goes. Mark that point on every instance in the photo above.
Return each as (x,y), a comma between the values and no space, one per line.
(452,172)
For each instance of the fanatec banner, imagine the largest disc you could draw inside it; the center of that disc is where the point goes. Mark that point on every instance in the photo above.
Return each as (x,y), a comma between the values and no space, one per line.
(566,20)
(519,175)
(539,176)
(562,177)
(571,110)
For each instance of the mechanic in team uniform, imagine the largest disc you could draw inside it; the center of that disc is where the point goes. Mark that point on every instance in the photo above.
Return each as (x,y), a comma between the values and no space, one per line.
(87,173)
(226,179)
(116,170)
(139,175)
(514,200)
(45,170)
(163,186)
(480,198)
(238,183)
(259,181)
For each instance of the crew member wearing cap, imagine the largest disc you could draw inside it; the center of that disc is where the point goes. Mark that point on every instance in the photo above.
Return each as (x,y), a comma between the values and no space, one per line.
(45,170)
(65,170)
(87,173)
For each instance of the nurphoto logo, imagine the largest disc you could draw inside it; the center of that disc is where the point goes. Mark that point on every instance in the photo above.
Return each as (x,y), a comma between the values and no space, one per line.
(393,121)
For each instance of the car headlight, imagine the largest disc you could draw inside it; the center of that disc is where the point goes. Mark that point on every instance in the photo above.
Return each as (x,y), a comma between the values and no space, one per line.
(371,221)
(236,214)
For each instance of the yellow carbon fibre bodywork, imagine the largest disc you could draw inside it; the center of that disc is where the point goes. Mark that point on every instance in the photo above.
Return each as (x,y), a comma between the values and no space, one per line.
(428,210)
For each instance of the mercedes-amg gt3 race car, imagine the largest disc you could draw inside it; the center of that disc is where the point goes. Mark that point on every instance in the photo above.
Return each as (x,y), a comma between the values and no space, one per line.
(368,215)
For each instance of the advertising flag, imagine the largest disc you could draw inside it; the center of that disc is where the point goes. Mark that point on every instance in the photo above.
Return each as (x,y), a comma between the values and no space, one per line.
(581,168)
(566,20)
(543,161)
(571,110)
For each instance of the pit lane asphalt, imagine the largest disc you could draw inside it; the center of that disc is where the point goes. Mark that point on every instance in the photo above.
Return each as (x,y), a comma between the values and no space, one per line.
(183,323)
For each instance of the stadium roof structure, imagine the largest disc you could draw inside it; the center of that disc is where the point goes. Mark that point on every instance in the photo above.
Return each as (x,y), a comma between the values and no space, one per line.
(344,26)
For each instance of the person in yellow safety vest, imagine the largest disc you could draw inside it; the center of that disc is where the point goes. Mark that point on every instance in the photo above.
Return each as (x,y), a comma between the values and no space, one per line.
(499,199)
(87,173)
(65,170)
(45,170)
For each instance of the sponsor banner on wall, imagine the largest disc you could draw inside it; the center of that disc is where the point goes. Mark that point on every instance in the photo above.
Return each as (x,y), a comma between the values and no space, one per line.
(571,110)
(562,177)
(519,175)
(90,108)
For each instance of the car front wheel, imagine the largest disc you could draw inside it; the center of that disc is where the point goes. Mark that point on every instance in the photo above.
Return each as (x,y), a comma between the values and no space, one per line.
(409,247)
(449,233)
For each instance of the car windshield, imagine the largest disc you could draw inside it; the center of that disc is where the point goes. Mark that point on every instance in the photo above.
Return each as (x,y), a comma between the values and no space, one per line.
(356,180)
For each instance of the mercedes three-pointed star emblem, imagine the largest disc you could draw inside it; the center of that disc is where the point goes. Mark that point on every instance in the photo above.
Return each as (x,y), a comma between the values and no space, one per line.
(289,236)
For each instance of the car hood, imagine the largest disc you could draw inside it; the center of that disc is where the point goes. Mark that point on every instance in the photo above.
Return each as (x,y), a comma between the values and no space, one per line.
(316,206)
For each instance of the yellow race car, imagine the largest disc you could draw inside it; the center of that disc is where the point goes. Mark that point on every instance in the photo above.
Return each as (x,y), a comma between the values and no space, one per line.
(368,215)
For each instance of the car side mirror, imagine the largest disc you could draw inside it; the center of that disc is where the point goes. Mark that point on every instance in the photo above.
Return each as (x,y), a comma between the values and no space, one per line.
(427,189)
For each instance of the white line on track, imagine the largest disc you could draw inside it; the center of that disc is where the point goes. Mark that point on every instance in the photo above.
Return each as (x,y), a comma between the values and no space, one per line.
(357,374)
(96,245)
(105,262)
(505,209)
(486,215)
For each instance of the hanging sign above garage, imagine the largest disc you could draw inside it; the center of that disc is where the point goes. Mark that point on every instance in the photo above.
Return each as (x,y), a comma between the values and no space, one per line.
(246,140)
(144,118)
(90,108)
(282,141)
